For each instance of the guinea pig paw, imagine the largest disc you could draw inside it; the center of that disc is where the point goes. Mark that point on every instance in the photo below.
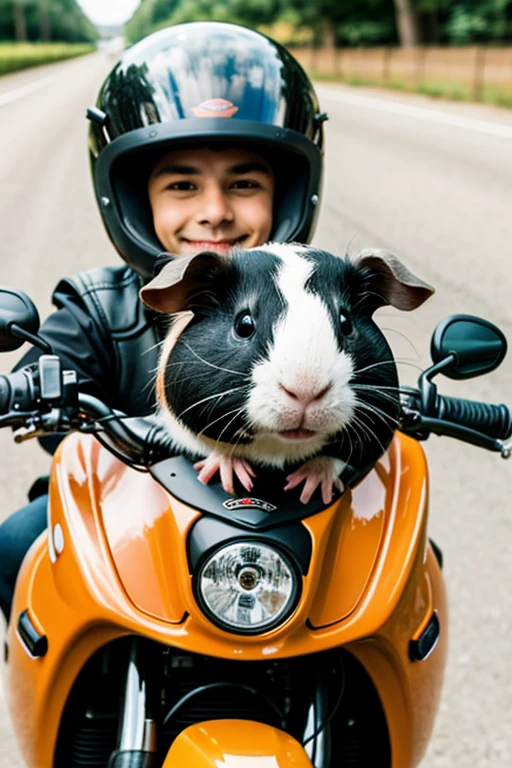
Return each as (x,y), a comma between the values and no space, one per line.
(225,465)
(322,472)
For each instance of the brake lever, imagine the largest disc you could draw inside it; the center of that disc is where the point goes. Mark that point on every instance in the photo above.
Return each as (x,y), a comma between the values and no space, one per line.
(421,427)
(39,425)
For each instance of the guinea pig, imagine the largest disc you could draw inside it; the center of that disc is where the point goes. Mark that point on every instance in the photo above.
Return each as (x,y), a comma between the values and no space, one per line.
(273,359)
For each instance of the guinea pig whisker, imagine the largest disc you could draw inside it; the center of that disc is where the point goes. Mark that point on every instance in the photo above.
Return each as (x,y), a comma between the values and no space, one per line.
(357,440)
(399,333)
(346,430)
(397,361)
(236,411)
(363,430)
(366,430)
(210,397)
(237,414)
(386,417)
(373,365)
(379,386)
(384,396)
(207,362)
(377,391)
(154,346)
(189,377)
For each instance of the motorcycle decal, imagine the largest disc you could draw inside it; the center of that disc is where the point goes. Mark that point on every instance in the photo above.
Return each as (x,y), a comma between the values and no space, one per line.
(250,502)
(215,108)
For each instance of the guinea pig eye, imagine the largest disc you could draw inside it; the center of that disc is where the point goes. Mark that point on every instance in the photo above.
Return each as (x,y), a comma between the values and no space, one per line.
(345,324)
(244,325)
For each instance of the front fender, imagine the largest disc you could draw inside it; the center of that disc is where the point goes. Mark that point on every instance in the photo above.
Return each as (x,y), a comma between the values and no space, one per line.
(235,744)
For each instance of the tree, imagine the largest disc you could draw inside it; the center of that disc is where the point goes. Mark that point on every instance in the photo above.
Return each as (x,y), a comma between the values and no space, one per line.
(45,22)
(407,23)
(20,21)
(60,20)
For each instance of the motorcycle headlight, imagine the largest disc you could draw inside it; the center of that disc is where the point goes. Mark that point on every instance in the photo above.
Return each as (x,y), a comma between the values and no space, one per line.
(247,587)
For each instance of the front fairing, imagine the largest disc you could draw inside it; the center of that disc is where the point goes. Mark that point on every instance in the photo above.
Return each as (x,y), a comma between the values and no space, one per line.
(128,537)
(122,568)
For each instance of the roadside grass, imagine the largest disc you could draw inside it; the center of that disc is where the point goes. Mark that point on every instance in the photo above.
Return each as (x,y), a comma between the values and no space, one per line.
(440,89)
(16,56)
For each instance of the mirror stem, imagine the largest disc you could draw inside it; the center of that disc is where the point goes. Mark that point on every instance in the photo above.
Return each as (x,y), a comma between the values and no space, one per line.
(428,390)
(36,341)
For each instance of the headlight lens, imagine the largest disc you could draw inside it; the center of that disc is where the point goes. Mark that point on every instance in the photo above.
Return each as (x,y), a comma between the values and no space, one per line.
(247,587)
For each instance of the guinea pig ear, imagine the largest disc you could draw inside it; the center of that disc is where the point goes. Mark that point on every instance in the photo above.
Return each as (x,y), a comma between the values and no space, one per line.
(179,278)
(387,281)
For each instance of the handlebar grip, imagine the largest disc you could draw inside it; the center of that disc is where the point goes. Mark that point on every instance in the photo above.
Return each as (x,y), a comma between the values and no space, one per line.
(493,420)
(5,394)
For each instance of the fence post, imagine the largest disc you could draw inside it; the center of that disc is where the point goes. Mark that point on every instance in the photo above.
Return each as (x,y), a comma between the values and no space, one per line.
(420,65)
(386,63)
(313,58)
(479,72)
(338,63)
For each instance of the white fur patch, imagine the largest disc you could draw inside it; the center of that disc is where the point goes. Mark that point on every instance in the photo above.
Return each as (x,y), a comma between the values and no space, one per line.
(304,382)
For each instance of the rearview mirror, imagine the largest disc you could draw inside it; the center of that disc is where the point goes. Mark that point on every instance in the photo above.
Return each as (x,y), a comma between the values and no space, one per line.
(18,310)
(478,346)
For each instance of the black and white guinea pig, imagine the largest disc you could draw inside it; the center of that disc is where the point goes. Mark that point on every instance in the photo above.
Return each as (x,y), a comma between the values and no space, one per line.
(273,359)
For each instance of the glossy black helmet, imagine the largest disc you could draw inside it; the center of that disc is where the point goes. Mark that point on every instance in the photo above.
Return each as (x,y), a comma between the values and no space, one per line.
(200,84)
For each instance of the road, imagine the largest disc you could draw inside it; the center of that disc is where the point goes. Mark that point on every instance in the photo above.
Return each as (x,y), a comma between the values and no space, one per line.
(431,182)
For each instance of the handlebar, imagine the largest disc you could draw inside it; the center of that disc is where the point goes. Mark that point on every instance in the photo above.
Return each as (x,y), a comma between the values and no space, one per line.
(140,439)
(481,424)
(40,399)
(493,420)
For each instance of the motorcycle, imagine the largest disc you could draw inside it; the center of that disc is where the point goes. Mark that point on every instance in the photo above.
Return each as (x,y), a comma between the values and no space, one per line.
(159,622)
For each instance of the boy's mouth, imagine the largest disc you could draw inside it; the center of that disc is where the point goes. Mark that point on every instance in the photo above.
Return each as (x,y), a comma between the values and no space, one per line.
(222,246)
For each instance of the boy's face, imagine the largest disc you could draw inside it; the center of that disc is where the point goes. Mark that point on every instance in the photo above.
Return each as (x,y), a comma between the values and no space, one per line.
(211,200)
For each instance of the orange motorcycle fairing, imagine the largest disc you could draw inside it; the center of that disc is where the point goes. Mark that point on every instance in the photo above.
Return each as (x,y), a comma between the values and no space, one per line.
(115,563)
(235,744)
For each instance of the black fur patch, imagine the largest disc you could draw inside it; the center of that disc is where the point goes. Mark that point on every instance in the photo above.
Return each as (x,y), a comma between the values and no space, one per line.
(207,362)
(344,289)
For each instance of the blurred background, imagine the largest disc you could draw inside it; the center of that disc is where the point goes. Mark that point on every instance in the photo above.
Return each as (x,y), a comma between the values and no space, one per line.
(461,49)
(419,161)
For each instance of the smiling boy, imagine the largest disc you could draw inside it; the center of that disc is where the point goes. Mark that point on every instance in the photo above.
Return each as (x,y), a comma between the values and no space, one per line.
(204,199)
(174,172)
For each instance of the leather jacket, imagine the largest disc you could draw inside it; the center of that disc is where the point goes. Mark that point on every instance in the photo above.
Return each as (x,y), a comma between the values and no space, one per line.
(103,331)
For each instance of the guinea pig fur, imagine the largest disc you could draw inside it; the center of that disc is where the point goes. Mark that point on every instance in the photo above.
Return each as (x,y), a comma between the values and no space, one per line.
(274,356)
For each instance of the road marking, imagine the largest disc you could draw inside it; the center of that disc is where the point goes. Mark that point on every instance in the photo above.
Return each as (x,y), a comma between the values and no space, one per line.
(421,113)
(35,85)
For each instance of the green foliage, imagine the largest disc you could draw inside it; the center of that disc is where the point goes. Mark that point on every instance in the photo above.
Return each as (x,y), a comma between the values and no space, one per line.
(16,56)
(67,21)
(344,22)
(479,20)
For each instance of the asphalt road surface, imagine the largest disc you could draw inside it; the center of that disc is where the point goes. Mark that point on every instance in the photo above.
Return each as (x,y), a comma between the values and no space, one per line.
(431,182)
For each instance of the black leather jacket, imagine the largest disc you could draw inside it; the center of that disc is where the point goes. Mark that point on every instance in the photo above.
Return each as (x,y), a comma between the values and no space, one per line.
(102,330)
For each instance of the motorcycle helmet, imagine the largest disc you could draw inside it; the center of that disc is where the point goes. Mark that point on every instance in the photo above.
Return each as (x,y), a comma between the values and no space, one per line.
(203,84)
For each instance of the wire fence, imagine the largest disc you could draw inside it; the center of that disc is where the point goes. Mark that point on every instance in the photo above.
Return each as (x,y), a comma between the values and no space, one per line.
(480,73)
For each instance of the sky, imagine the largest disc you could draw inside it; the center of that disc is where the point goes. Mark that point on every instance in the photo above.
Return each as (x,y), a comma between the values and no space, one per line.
(109,11)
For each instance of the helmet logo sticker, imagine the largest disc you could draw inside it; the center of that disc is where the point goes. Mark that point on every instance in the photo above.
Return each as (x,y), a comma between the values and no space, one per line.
(215,108)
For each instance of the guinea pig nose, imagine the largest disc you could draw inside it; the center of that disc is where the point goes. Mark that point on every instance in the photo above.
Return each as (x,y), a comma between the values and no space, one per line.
(306,394)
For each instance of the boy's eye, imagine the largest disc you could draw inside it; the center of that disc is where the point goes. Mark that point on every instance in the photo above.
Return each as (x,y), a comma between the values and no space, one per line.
(245,184)
(182,186)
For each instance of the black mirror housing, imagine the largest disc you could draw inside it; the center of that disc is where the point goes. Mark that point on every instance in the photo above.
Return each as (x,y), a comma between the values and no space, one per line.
(16,308)
(477,345)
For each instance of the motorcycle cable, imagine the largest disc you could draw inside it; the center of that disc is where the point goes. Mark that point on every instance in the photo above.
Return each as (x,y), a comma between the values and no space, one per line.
(222,684)
(334,710)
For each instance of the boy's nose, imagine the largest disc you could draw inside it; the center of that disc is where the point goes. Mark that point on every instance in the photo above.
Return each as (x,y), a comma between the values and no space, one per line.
(215,208)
